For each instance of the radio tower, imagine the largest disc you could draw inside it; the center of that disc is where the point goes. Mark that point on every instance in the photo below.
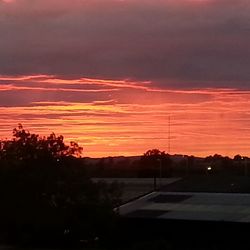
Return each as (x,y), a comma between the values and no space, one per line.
(169,134)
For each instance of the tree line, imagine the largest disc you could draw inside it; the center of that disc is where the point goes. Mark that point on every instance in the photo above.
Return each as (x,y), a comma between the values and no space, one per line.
(159,163)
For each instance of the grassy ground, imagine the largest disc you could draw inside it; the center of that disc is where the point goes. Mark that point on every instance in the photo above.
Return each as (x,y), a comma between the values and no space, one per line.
(136,187)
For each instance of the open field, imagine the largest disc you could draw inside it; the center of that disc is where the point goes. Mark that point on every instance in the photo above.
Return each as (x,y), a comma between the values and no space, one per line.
(136,187)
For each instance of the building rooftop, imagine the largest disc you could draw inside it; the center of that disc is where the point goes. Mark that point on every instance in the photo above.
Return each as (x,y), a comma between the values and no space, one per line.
(219,207)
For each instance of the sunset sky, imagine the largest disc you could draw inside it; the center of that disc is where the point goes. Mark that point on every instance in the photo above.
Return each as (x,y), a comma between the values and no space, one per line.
(109,74)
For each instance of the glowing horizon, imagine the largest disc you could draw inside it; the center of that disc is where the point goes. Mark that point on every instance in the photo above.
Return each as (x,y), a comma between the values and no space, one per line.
(122,117)
(109,73)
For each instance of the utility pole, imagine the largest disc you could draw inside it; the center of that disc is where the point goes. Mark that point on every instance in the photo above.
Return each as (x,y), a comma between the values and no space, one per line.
(246,166)
(160,172)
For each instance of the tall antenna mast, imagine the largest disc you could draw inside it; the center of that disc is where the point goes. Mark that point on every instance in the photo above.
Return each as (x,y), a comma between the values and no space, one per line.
(169,134)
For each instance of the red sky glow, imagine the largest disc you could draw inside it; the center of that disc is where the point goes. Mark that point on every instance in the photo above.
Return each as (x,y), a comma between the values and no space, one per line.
(122,117)
(108,74)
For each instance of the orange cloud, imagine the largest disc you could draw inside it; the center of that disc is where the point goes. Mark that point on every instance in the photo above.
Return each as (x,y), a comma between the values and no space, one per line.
(125,120)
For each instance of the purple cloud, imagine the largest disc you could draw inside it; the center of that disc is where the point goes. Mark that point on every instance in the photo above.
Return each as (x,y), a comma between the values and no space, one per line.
(184,44)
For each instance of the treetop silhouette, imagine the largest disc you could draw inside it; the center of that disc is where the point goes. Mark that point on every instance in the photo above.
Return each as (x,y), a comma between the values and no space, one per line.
(25,145)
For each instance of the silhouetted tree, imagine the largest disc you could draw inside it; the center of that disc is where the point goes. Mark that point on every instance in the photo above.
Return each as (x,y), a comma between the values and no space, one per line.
(45,192)
(154,163)
(238,158)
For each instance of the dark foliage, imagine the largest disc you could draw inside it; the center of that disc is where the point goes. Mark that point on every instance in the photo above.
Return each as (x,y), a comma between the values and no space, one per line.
(155,163)
(45,193)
